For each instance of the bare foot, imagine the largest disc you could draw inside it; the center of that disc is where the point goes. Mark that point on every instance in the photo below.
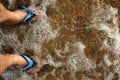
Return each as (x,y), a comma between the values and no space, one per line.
(21,62)
(8,60)
(13,17)
(18,16)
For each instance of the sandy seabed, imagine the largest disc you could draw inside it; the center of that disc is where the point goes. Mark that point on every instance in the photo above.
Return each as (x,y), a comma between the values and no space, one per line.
(79,38)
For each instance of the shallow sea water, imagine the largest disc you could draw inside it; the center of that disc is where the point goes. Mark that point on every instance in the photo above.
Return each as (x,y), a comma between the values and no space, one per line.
(80,39)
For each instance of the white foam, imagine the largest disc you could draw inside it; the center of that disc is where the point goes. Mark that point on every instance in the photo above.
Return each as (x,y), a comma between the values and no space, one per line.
(113,37)
(11,3)
(77,60)
(107,61)
(109,76)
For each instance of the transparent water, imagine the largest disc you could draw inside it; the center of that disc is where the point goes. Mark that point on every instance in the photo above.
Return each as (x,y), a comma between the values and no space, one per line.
(79,39)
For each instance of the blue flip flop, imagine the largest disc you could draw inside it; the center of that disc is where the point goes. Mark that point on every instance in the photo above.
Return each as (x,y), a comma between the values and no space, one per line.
(29,15)
(30,62)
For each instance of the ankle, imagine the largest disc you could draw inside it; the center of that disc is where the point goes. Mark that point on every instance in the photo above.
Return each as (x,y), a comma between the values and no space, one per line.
(4,14)
(18,60)
(12,17)
(19,14)
(8,60)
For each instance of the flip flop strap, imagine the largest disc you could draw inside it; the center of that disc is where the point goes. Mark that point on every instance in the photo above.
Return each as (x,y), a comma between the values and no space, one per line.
(30,62)
(29,15)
